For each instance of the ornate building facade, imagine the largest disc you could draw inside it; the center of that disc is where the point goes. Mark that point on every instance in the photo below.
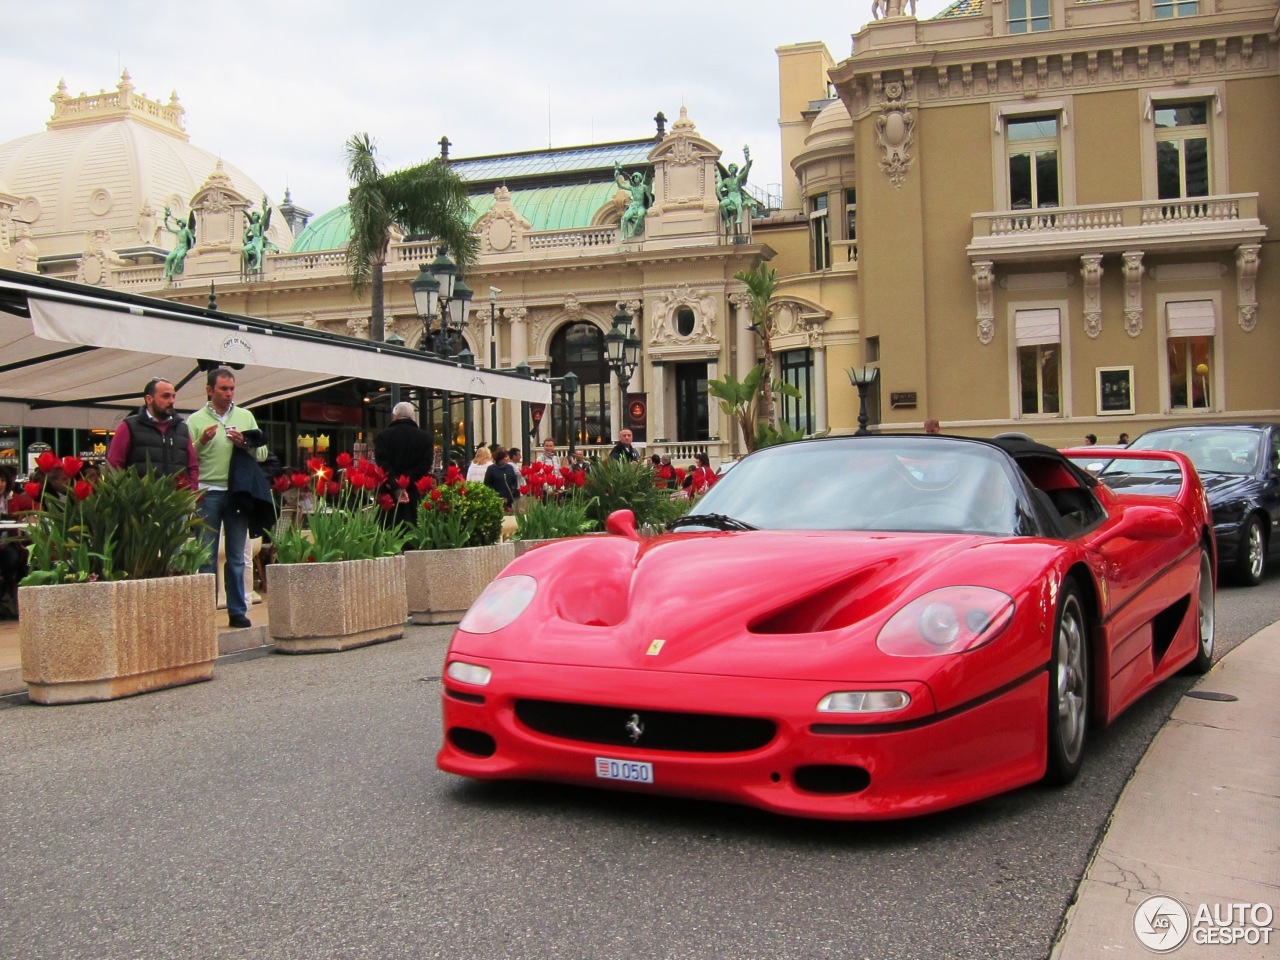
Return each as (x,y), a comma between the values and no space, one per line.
(1048,217)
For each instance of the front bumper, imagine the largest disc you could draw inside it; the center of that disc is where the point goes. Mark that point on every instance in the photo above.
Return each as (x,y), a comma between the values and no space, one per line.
(933,763)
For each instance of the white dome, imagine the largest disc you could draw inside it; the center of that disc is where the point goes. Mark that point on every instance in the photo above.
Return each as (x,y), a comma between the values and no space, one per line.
(831,127)
(102,160)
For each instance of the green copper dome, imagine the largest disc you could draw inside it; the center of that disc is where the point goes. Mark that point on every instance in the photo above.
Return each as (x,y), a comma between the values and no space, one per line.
(547,208)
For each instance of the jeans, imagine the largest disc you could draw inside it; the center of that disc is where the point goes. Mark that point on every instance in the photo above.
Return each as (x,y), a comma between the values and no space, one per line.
(217,510)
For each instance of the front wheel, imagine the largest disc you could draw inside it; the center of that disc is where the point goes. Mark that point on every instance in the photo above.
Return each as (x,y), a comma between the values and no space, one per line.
(1251,558)
(1205,614)
(1068,688)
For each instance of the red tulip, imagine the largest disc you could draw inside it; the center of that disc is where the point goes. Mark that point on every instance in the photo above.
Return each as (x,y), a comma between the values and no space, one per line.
(72,465)
(344,460)
(386,502)
(402,482)
(435,494)
(33,489)
(334,488)
(454,475)
(47,461)
(281,483)
(82,489)
(300,480)
(425,483)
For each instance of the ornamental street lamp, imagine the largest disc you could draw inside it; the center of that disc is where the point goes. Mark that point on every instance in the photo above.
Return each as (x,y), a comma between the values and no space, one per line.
(493,359)
(862,378)
(441,295)
(569,382)
(622,350)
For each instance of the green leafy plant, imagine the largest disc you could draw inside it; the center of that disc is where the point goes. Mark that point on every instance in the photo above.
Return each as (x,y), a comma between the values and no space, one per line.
(623,485)
(127,526)
(741,399)
(553,518)
(483,510)
(442,522)
(348,523)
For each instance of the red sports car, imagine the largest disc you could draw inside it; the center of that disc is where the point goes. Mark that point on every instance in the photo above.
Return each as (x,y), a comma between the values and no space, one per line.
(851,628)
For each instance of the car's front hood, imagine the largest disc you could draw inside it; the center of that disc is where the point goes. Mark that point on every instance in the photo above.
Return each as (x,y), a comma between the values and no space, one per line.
(758,604)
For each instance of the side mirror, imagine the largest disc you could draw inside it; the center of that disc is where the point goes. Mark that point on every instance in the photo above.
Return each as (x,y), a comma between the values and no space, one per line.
(622,523)
(1147,523)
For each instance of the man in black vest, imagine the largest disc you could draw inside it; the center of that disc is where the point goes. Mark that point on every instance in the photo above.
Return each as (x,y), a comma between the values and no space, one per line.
(156,437)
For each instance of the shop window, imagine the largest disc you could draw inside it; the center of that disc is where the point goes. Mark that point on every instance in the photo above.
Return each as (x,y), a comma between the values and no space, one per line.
(1038,335)
(1175,8)
(1190,328)
(1033,149)
(1029,16)
(795,367)
(820,232)
(1182,150)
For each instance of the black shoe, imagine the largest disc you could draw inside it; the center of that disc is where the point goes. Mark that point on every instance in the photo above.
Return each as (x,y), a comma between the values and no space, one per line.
(240,621)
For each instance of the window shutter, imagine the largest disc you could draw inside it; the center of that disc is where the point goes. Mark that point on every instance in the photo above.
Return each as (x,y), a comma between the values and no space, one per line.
(1032,327)
(1190,318)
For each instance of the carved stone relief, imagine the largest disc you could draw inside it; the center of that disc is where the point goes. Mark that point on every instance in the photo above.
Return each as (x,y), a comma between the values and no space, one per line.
(1248,256)
(357,326)
(983,277)
(1133,292)
(1091,270)
(895,133)
(664,314)
(502,225)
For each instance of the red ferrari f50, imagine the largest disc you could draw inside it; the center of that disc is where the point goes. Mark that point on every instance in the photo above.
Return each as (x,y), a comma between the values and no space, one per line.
(852,628)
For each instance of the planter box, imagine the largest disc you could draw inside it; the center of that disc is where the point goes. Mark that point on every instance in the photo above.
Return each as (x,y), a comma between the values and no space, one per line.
(325,607)
(100,641)
(524,546)
(444,583)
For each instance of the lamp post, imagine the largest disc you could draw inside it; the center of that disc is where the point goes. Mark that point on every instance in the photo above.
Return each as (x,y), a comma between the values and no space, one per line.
(441,295)
(569,382)
(622,350)
(493,359)
(862,378)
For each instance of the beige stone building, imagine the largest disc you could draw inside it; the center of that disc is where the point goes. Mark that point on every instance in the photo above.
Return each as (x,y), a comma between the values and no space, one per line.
(1029,215)
(1040,216)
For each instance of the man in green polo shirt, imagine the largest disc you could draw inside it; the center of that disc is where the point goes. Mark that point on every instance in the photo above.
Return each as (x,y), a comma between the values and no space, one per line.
(217,429)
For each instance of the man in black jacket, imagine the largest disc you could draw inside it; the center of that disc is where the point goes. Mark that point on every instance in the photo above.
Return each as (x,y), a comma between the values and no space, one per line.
(403,449)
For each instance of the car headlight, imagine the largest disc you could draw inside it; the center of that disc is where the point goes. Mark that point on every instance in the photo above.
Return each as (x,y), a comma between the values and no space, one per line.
(945,621)
(499,604)
(472,673)
(864,701)
(1230,512)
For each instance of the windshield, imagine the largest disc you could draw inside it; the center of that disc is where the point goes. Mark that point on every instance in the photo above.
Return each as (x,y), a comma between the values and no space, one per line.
(870,483)
(1224,450)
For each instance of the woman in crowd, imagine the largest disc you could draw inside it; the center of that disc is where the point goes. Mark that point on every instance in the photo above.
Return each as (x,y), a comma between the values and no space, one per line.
(479,464)
(13,555)
(704,477)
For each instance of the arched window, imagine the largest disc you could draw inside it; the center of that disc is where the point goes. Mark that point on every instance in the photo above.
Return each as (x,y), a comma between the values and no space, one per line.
(580,347)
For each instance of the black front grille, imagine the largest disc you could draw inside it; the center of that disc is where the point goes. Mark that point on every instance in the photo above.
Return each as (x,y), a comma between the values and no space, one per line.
(659,729)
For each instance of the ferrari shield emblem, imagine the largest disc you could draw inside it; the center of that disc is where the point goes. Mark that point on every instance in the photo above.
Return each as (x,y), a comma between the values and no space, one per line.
(655,648)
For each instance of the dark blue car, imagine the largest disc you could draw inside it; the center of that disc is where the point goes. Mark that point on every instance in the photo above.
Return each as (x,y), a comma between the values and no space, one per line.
(1239,465)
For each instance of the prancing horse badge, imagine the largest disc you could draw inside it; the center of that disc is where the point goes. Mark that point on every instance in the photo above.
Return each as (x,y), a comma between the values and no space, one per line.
(655,648)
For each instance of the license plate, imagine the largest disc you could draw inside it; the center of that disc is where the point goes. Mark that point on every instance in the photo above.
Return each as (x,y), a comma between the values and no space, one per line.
(633,771)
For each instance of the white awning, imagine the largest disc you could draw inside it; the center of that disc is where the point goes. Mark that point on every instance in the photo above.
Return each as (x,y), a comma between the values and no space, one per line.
(1191,318)
(1032,327)
(77,356)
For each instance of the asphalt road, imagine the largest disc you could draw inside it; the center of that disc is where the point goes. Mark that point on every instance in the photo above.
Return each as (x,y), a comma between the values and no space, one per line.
(292,809)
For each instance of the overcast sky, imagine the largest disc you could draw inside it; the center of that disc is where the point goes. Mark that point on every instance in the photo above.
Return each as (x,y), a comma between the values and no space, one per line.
(277,87)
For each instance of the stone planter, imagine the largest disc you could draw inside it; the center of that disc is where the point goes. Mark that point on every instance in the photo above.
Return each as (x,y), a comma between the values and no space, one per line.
(325,607)
(524,546)
(444,583)
(100,641)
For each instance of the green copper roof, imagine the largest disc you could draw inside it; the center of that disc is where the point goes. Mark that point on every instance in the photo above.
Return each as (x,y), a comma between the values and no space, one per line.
(547,208)
(961,8)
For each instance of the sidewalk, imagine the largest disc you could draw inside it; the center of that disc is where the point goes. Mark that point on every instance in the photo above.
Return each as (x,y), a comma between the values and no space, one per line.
(1199,822)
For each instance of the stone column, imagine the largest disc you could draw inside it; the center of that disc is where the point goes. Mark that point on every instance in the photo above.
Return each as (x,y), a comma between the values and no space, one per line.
(518,318)
(819,388)
(658,403)
(744,338)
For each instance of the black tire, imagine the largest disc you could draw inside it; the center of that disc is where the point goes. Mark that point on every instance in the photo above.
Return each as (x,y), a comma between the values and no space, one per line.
(1069,688)
(1206,616)
(1251,557)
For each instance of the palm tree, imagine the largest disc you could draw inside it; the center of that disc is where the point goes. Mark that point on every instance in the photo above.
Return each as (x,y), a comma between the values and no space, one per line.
(761,284)
(428,199)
